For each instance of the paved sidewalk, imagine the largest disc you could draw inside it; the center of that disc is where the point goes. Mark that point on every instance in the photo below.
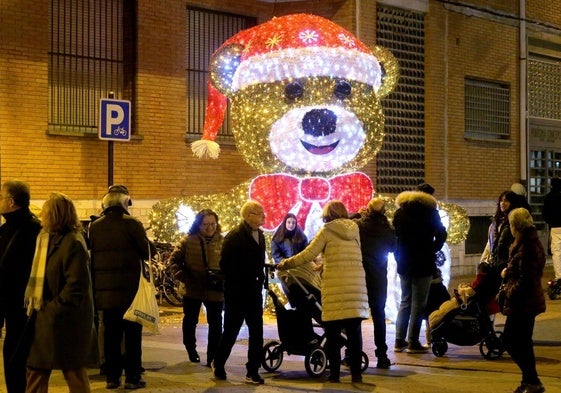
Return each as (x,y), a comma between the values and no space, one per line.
(461,370)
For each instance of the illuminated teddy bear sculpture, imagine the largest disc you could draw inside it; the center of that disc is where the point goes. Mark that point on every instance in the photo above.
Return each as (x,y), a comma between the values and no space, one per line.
(305,108)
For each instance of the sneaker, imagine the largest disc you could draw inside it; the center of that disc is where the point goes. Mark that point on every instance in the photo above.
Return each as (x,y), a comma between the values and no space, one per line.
(138,384)
(356,379)
(400,345)
(219,372)
(384,363)
(254,379)
(417,347)
(534,388)
(520,389)
(112,384)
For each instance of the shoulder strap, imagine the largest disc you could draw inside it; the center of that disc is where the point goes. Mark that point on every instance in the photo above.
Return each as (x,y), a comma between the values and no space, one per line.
(203,251)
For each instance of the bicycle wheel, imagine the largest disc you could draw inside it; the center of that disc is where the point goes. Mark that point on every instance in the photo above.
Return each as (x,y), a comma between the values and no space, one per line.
(170,288)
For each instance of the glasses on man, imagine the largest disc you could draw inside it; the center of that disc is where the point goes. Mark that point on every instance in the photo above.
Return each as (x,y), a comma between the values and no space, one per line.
(258,214)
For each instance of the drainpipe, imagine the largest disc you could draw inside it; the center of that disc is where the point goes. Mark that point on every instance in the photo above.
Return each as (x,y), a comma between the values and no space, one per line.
(446,182)
(357,19)
(524,148)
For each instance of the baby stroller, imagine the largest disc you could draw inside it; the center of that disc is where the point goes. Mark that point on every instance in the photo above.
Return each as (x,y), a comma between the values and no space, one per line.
(467,325)
(296,338)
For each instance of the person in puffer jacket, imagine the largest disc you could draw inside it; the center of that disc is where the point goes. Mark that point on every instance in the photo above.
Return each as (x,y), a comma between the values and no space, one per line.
(420,234)
(344,296)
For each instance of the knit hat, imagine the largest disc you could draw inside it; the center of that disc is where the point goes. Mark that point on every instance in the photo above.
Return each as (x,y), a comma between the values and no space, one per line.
(120,189)
(291,46)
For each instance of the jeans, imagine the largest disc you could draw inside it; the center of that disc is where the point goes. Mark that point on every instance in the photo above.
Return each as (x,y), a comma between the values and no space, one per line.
(377,286)
(191,310)
(414,295)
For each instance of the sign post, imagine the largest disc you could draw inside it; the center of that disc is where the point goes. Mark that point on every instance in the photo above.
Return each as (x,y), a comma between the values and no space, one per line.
(114,125)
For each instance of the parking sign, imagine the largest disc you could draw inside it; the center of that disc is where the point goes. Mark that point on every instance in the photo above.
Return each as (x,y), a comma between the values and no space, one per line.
(114,120)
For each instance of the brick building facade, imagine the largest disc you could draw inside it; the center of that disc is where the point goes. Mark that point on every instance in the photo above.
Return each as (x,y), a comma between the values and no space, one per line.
(475,41)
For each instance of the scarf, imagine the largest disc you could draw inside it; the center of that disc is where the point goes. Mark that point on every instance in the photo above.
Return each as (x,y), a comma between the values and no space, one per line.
(34,290)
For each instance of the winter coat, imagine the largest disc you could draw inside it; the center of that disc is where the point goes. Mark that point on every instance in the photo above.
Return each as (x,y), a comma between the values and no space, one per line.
(305,273)
(16,256)
(189,266)
(552,208)
(118,246)
(420,233)
(343,289)
(64,336)
(242,261)
(377,240)
(524,271)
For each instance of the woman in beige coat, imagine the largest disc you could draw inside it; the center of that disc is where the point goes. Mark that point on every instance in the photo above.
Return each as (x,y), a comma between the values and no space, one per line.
(344,297)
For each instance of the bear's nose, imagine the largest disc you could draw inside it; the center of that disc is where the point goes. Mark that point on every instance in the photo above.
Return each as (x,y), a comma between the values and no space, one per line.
(319,122)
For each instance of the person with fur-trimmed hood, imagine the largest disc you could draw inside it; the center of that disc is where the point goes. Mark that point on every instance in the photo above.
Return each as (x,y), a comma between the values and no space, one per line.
(420,234)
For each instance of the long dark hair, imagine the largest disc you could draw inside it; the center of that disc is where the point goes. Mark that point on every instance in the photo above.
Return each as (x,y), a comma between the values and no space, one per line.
(281,233)
(196,226)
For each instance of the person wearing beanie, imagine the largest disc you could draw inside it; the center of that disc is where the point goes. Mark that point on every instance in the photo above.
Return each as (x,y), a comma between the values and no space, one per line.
(118,244)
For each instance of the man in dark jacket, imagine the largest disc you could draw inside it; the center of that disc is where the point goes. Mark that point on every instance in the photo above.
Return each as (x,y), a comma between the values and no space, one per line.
(118,245)
(242,261)
(420,234)
(17,245)
(552,215)
(377,239)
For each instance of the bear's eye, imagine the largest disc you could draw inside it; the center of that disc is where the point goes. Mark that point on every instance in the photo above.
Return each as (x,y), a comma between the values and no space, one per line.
(342,89)
(293,90)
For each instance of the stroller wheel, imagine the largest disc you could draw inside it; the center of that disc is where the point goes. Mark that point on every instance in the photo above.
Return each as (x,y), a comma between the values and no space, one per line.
(491,347)
(439,347)
(315,362)
(363,362)
(272,356)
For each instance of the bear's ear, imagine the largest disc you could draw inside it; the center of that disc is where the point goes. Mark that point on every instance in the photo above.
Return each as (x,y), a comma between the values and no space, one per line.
(223,65)
(390,70)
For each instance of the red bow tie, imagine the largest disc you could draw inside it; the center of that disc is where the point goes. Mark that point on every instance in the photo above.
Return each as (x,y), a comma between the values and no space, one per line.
(281,193)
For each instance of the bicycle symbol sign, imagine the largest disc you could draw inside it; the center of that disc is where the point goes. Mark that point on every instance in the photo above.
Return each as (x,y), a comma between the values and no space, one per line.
(114,120)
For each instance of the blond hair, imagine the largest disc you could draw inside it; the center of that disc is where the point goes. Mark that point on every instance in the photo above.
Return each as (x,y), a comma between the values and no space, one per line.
(520,219)
(59,214)
(248,207)
(334,209)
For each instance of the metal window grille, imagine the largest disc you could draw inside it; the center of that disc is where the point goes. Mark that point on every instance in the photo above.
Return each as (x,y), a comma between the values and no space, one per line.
(206,31)
(487,110)
(401,161)
(86,61)
(544,88)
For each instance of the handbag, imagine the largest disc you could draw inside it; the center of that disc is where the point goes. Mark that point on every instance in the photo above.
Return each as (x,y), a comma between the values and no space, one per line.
(214,277)
(144,307)
(501,296)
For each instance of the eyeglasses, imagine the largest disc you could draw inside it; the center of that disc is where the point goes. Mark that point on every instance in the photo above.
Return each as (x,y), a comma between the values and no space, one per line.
(209,224)
(258,214)
(6,197)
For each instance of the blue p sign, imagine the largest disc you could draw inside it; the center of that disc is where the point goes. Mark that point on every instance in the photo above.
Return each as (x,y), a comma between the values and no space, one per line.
(114,120)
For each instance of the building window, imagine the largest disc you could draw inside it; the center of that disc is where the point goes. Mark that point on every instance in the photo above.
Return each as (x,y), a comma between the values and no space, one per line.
(92,54)
(206,31)
(487,114)
(400,164)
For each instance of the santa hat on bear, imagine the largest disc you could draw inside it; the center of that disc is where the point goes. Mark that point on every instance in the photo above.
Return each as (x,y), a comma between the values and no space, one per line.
(292,46)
